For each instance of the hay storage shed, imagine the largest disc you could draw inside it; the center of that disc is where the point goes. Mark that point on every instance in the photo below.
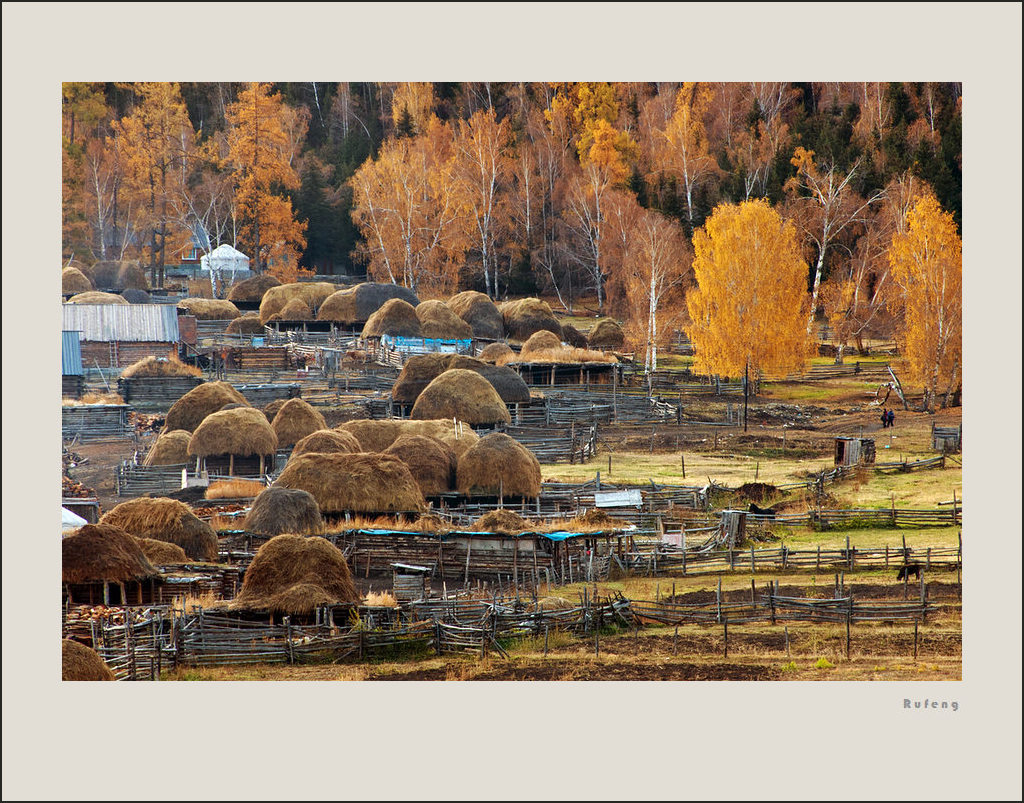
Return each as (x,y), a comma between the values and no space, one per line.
(248,293)
(480,313)
(528,315)
(946,439)
(78,662)
(72,374)
(294,421)
(408,582)
(439,322)
(165,520)
(462,395)
(431,462)
(420,370)
(155,383)
(103,563)
(498,466)
(189,411)
(284,510)
(117,335)
(327,441)
(352,307)
(854,451)
(396,318)
(238,442)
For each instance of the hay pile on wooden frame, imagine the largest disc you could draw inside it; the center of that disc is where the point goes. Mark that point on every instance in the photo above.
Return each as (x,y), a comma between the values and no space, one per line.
(294,575)
(189,411)
(103,553)
(161,553)
(498,466)
(159,366)
(166,520)
(312,294)
(295,420)
(271,409)
(464,395)
(170,449)
(356,483)
(134,296)
(251,290)
(295,310)
(97,297)
(78,662)
(438,321)
(72,281)
(378,435)
(501,521)
(606,334)
(431,462)
(420,370)
(248,324)
(396,318)
(241,431)
(209,309)
(117,276)
(284,510)
(353,306)
(528,315)
(327,441)
(480,313)
(539,341)
(573,336)
(497,354)
(566,355)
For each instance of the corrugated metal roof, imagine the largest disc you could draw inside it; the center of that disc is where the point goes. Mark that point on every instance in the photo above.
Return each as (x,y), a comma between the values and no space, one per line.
(70,354)
(123,322)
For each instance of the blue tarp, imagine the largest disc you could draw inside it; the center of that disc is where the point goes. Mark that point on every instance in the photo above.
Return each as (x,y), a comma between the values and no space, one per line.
(562,535)
(426,345)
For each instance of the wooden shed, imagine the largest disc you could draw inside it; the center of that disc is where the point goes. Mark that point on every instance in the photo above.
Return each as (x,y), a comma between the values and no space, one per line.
(946,439)
(855,451)
(118,335)
(409,582)
(72,374)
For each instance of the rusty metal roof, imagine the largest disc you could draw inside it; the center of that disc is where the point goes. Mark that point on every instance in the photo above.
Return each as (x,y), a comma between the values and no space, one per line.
(123,322)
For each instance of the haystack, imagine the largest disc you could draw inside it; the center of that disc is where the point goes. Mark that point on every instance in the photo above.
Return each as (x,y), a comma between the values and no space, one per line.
(595,518)
(419,371)
(501,521)
(251,290)
(327,441)
(96,297)
(539,341)
(134,296)
(438,321)
(480,313)
(170,449)
(431,462)
(241,431)
(72,281)
(357,483)
(378,435)
(103,553)
(553,604)
(573,336)
(606,334)
(209,309)
(284,510)
(117,276)
(159,366)
(354,305)
(464,395)
(396,318)
(294,575)
(160,553)
(78,662)
(295,420)
(498,465)
(272,408)
(528,315)
(189,411)
(232,406)
(497,353)
(245,325)
(295,310)
(166,520)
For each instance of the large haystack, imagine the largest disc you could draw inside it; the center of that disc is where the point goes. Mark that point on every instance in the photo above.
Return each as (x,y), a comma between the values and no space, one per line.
(166,520)
(272,409)
(160,553)
(295,420)
(327,441)
(528,315)
(284,510)
(240,431)
(78,662)
(159,366)
(96,297)
(438,321)
(117,276)
(72,281)
(312,294)
(133,296)
(295,310)
(480,313)
(354,305)
(189,411)
(209,309)
(378,435)
(251,290)
(431,462)
(539,341)
(421,370)
(294,575)
(606,334)
(567,355)
(103,553)
(501,520)
(497,353)
(461,394)
(497,465)
(248,324)
(573,336)
(356,483)
(170,449)
(396,318)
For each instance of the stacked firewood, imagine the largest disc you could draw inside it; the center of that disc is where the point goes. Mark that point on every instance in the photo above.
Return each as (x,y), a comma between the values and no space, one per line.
(71,489)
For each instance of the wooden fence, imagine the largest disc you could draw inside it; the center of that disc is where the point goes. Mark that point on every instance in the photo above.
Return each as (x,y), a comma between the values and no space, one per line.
(95,422)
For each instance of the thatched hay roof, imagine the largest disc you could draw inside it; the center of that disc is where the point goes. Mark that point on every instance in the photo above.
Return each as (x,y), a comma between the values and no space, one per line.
(170,449)
(295,420)
(501,521)
(396,318)
(248,324)
(98,553)
(78,662)
(606,334)
(209,309)
(251,290)
(284,510)
(133,296)
(540,341)
(498,464)
(293,575)
(117,276)
(160,553)
(566,355)
(420,370)
(528,315)
(497,353)
(159,366)
(271,409)
(377,436)
(480,313)
(327,441)
(573,336)
(240,431)
(72,280)
(295,310)
(431,462)
(438,321)
(96,297)
(461,394)
(189,411)
(358,483)
(354,305)
(166,520)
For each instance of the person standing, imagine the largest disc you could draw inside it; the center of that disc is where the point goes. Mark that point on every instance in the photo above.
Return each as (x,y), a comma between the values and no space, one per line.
(885,418)
(892,418)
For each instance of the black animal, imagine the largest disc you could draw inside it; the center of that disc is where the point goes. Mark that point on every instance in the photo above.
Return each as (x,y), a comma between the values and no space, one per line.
(762,511)
(909,569)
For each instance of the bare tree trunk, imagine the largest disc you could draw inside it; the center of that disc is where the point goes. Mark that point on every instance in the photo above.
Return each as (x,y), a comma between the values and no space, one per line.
(952,383)
(814,291)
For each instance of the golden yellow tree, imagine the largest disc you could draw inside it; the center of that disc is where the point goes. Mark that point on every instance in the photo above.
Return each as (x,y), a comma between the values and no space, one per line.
(750,302)
(684,152)
(926,263)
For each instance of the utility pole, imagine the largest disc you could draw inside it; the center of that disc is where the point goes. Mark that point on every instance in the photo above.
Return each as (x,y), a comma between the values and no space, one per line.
(746,392)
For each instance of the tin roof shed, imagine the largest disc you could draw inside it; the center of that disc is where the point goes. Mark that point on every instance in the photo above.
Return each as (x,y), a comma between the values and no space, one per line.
(123,323)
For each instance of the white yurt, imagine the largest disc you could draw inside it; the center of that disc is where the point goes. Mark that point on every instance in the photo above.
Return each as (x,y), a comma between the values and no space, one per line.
(226,265)
(69,522)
